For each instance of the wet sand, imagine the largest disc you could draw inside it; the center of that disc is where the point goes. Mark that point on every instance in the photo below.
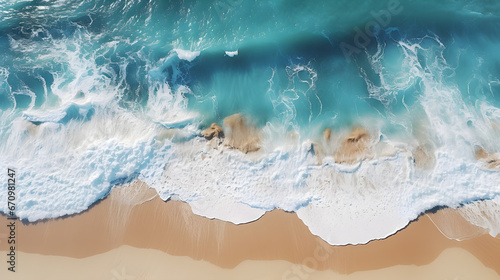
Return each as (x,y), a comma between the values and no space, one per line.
(134,216)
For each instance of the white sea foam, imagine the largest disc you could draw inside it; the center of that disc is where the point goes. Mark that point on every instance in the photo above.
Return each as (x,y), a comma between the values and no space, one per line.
(484,214)
(79,111)
(187,55)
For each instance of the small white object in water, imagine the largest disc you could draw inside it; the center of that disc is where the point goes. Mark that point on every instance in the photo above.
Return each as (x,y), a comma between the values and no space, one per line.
(231,54)
(187,55)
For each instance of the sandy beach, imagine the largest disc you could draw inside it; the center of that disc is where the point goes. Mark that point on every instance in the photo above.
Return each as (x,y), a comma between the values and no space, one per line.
(134,226)
(129,263)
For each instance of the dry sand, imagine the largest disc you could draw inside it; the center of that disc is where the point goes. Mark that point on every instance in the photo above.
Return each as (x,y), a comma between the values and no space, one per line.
(125,218)
(129,263)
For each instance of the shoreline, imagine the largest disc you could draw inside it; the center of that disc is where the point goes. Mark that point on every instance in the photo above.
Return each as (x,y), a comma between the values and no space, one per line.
(171,227)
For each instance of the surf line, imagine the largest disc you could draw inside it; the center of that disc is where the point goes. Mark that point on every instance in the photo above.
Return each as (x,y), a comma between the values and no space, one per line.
(11,218)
